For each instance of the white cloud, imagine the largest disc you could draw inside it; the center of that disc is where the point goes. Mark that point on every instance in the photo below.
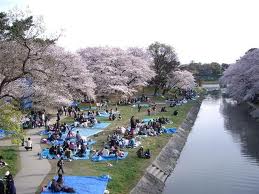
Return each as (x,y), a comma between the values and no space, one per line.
(200,30)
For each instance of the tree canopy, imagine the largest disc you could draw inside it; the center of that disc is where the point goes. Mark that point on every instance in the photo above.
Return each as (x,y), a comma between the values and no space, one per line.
(242,77)
(32,66)
(116,71)
(165,61)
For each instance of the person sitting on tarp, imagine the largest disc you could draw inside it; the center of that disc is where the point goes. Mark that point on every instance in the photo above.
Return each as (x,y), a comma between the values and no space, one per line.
(131,143)
(70,135)
(105,151)
(72,146)
(119,153)
(53,150)
(55,187)
(81,151)
(68,154)
(140,152)
(58,185)
(78,136)
(65,145)
(59,150)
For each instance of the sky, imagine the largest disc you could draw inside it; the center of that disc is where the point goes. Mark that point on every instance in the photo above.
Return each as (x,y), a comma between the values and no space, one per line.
(199,30)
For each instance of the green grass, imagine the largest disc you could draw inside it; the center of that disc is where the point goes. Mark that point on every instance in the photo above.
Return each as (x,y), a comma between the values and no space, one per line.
(210,82)
(11,157)
(125,173)
(67,120)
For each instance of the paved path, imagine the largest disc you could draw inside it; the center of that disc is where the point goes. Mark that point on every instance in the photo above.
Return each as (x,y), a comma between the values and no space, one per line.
(33,170)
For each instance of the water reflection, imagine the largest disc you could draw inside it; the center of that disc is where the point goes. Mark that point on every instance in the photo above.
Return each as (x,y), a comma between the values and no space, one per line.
(243,128)
(221,154)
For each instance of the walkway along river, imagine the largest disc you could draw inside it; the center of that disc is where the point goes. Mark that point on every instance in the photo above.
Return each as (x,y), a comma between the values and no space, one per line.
(221,154)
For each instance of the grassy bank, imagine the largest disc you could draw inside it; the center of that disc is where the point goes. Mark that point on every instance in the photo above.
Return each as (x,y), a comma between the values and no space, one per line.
(210,82)
(125,173)
(11,157)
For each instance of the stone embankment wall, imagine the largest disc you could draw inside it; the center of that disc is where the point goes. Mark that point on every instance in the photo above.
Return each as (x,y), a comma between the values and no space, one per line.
(153,181)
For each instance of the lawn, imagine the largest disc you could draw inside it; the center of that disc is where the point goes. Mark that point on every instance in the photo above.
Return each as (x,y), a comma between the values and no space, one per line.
(125,173)
(11,157)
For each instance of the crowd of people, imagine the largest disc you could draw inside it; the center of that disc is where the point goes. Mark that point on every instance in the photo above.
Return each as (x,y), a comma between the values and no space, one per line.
(35,119)
(133,100)
(73,144)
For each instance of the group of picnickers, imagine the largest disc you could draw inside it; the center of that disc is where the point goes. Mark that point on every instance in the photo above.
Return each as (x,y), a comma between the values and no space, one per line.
(35,119)
(116,142)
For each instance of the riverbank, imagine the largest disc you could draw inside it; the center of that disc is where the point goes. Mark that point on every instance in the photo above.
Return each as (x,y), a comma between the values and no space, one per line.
(126,173)
(156,174)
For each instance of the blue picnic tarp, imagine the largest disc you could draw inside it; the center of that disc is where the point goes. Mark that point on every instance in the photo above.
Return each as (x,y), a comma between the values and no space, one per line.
(84,184)
(104,114)
(146,120)
(170,130)
(88,108)
(87,132)
(46,155)
(97,158)
(44,132)
(74,103)
(101,125)
(2,133)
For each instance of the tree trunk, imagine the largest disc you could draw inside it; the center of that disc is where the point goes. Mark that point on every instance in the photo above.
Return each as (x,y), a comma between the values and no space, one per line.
(164,91)
(156,90)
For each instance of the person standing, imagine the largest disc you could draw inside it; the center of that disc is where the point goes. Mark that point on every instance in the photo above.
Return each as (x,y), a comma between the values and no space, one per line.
(139,107)
(132,122)
(148,111)
(58,116)
(65,110)
(60,165)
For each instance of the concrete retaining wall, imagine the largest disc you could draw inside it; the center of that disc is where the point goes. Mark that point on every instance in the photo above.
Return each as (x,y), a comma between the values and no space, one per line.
(153,181)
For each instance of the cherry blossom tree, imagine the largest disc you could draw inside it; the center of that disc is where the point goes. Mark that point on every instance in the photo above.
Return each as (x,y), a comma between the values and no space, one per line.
(183,80)
(242,77)
(116,71)
(32,66)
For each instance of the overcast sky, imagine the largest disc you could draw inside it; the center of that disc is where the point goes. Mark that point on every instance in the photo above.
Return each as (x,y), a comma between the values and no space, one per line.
(199,30)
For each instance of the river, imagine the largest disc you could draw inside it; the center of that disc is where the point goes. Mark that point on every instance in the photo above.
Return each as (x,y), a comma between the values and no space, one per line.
(221,155)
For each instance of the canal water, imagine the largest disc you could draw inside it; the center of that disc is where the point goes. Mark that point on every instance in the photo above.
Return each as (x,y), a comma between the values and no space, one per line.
(221,155)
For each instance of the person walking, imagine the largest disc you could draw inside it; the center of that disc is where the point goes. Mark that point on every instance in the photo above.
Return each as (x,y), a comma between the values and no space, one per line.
(139,107)
(60,165)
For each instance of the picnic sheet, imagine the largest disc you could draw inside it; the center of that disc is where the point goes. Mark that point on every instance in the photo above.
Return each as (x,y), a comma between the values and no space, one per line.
(84,184)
